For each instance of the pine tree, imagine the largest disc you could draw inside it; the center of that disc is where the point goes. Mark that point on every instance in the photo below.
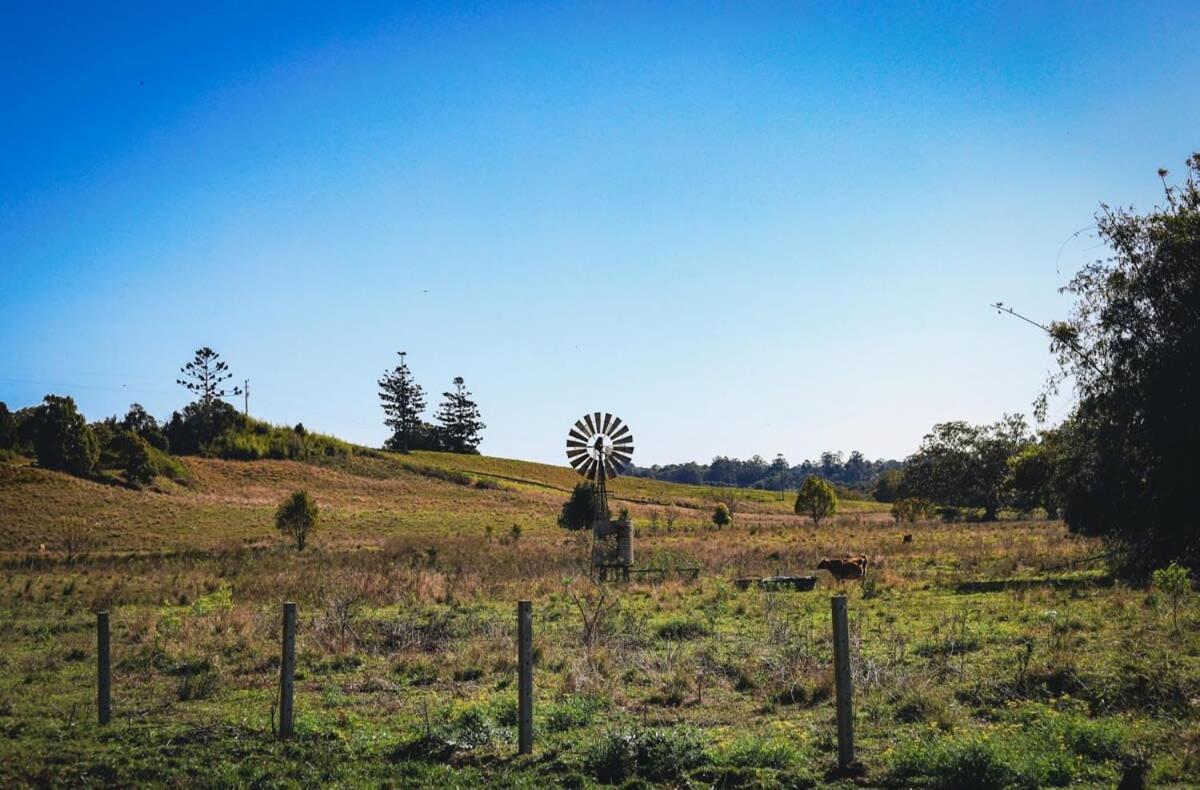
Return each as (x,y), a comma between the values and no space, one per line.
(403,400)
(460,420)
(204,375)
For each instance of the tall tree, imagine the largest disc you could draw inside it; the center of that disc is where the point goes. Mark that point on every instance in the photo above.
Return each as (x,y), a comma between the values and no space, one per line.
(205,376)
(403,400)
(1132,348)
(61,437)
(461,426)
(965,465)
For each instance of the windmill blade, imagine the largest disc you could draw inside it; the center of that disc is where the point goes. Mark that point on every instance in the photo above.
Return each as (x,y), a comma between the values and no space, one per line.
(599,446)
(610,468)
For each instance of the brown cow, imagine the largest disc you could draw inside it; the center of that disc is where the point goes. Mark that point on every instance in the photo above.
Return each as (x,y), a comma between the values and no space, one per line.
(851,566)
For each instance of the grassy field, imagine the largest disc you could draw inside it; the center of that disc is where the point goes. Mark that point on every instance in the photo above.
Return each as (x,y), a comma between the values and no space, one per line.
(985,655)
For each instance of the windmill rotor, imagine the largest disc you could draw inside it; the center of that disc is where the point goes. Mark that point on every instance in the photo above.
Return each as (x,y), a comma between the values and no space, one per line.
(599,447)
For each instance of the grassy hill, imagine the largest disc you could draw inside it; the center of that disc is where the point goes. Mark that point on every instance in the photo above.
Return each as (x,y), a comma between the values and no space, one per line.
(365,500)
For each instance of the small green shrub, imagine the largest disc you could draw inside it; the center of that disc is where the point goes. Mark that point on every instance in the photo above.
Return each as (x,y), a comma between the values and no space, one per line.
(983,763)
(197,680)
(1174,582)
(655,755)
(751,752)
(296,517)
(571,713)
(680,628)
(419,671)
(919,704)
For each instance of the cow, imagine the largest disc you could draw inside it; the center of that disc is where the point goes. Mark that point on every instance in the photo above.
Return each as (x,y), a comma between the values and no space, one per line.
(852,566)
(908,538)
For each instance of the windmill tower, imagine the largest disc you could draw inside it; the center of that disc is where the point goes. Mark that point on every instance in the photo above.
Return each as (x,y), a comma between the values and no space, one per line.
(599,448)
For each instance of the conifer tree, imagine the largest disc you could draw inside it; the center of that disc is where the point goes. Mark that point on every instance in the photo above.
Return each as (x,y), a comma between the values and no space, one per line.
(459,416)
(204,376)
(403,400)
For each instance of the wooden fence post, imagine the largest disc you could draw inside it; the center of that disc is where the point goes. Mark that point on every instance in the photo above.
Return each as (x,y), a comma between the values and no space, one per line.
(841,666)
(525,677)
(287,671)
(103,669)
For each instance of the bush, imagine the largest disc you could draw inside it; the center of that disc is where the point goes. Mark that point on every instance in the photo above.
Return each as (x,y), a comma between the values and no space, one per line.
(655,755)
(982,763)
(1174,582)
(579,511)
(816,499)
(297,517)
(571,713)
(721,515)
(139,466)
(62,439)
(680,628)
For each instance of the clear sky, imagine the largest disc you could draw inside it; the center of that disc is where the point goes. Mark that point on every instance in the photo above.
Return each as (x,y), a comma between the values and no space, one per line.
(744,228)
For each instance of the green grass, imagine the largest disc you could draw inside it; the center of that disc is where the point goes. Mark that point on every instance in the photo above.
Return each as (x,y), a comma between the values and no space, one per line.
(978,658)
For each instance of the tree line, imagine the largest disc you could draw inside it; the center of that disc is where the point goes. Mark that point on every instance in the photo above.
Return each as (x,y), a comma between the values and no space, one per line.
(849,472)
(139,447)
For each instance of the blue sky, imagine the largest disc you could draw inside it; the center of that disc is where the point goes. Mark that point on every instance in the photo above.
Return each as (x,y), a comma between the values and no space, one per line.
(742,227)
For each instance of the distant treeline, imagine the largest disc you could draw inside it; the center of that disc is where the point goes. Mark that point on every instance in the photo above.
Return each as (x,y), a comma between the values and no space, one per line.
(852,472)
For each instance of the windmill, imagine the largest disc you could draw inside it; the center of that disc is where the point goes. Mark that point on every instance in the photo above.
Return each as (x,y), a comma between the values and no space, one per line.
(599,448)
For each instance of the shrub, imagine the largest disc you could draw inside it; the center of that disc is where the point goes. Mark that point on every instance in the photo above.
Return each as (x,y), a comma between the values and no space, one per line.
(816,499)
(910,509)
(916,704)
(571,713)
(680,628)
(655,755)
(983,763)
(721,515)
(1174,583)
(579,511)
(753,752)
(297,517)
(133,454)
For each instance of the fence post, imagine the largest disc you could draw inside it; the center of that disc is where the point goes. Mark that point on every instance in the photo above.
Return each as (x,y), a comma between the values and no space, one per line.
(287,671)
(841,666)
(525,677)
(103,669)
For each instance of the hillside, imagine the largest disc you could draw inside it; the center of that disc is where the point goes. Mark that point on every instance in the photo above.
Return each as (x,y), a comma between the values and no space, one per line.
(365,500)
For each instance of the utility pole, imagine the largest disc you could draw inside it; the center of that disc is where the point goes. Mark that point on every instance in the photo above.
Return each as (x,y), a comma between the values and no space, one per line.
(246,394)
